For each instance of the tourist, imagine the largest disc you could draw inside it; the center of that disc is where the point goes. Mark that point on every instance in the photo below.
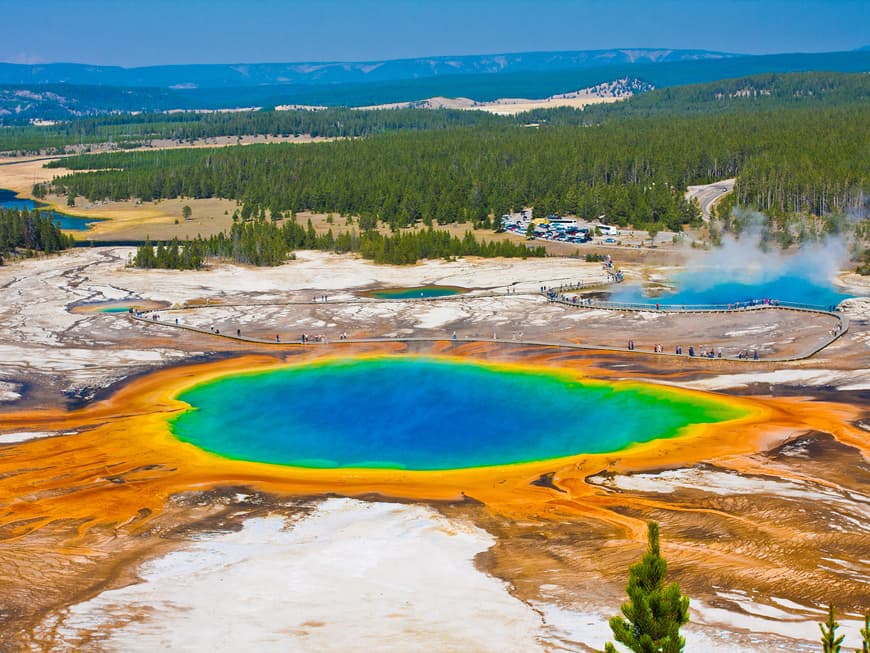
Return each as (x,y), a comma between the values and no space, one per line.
(691,351)
(277,338)
(755,354)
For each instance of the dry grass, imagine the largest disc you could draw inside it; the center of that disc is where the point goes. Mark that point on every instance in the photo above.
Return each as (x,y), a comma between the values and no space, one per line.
(158,220)
(503,106)
(20,175)
(513,107)
(126,220)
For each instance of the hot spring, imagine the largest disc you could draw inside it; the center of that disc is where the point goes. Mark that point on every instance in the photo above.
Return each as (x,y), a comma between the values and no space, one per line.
(117,306)
(419,292)
(712,287)
(429,414)
(746,270)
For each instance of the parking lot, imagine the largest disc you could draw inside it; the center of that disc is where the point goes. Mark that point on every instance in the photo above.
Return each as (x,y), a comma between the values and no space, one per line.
(577,231)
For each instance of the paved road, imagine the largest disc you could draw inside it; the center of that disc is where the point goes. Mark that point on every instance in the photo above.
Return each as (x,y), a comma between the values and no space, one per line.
(709,194)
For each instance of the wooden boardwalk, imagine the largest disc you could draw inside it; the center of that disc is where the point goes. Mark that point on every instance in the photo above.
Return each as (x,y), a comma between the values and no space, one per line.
(843,324)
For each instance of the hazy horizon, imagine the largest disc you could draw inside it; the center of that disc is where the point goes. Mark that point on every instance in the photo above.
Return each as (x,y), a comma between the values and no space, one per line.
(423,56)
(161,32)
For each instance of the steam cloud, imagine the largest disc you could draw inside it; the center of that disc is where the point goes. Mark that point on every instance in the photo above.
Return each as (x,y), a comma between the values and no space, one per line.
(750,267)
(750,259)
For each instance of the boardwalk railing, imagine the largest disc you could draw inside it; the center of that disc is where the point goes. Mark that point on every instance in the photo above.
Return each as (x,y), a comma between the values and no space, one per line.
(581,302)
(560,297)
(152,317)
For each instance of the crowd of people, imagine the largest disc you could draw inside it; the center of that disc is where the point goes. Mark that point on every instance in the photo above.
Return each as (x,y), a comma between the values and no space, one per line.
(560,294)
(613,275)
(702,351)
(753,302)
(305,338)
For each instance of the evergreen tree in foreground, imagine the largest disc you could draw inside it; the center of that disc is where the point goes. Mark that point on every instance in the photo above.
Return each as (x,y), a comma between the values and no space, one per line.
(865,635)
(830,642)
(654,611)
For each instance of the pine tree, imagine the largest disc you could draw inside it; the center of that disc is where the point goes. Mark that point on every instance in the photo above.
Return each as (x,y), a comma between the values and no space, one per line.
(654,611)
(830,642)
(865,635)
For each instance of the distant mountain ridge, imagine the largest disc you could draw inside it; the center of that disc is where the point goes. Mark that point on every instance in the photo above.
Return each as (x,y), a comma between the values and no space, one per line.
(21,103)
(258,74)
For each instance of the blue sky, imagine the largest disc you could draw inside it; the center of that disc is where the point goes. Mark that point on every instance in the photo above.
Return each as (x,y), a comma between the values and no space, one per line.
(153,32)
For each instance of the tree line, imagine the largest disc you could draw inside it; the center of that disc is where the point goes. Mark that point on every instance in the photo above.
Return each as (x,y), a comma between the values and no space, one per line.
(136,130)
(264,243)
(30,231)
(806,160)
(754,93)
(764,92)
